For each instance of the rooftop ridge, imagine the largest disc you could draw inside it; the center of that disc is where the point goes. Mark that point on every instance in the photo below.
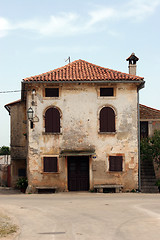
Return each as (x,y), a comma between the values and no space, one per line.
(154,109)
(82,70)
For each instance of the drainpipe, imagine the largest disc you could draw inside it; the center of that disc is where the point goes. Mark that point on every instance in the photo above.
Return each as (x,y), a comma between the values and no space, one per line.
(132,70)
(139,158)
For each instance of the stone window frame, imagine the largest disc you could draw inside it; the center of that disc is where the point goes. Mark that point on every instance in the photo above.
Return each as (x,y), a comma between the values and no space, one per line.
(115,112)
(52,133)
(52,98)
(107,97)
(42,164)
(123,162)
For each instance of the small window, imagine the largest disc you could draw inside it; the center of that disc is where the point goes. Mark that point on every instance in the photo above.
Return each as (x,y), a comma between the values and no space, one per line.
(31,124)
(115,163)
(106,92)
(107,120)
(51,92)
(144,129)
(50,164)
(52,120)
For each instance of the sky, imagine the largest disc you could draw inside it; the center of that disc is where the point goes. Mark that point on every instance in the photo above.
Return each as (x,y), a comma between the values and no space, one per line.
(37,36)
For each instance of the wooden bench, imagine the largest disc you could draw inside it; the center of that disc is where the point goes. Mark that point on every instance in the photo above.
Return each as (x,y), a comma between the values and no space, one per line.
(46,189)
(104,187)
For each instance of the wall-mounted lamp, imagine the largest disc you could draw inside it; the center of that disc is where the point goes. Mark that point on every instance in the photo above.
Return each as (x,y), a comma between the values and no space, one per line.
(30,114)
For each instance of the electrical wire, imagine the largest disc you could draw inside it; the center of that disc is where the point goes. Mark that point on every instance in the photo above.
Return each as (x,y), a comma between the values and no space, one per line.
(14,91)
(10,91)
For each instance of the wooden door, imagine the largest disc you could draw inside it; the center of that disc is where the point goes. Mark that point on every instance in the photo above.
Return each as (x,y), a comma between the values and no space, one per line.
(78,173)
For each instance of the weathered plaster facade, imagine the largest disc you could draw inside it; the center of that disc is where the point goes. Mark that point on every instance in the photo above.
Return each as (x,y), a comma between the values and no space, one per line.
(79,104)
(18,139)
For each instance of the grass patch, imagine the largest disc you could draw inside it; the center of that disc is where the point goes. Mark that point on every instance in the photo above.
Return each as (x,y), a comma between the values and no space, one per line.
(6,226)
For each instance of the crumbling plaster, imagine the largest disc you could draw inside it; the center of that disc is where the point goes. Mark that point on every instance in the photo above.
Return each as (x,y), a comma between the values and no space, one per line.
(79,105)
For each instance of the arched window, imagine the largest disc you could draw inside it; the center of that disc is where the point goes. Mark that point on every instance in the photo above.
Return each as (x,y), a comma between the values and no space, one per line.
(107,120)
(52,120)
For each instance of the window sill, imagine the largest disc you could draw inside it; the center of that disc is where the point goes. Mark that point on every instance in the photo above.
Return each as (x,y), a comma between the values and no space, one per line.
(108,97)
(108,133)
(51,98)
(46,173)
(48,133)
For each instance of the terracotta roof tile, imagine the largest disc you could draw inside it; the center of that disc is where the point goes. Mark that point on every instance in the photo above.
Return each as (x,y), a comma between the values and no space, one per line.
(15,102)
(148,113)
(7,106)
(81,70)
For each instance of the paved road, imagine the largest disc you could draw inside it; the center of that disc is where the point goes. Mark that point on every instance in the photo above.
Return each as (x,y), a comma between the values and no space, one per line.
(77,216)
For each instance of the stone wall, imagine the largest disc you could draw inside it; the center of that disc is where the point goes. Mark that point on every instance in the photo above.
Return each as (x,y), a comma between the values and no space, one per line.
(18,139)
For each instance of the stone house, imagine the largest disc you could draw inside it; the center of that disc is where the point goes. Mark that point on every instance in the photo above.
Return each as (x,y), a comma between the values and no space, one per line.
(149,120)
(18,139)
(82,131)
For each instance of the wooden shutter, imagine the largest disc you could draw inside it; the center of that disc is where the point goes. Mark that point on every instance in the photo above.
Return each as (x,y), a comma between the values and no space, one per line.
(52,120)
(50,164)
(115,163)
(107,120)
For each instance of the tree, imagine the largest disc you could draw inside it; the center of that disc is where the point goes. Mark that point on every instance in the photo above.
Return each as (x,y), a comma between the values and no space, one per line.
(150,148)
(4,150)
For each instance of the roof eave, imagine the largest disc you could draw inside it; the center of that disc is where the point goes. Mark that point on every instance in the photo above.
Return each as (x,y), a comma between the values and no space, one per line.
(87,81)
(7,108)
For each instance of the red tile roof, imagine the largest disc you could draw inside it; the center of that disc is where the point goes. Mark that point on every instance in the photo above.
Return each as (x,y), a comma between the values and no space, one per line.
(148,113)
(7,106)
(81,70)
(15,102)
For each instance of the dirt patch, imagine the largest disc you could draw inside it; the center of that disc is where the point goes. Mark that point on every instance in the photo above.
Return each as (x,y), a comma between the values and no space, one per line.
(7,227)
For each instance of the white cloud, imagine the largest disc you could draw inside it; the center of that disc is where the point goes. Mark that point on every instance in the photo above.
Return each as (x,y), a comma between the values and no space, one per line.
(64,24)
(4,27)
(101,14)
(140,9)
(134,10)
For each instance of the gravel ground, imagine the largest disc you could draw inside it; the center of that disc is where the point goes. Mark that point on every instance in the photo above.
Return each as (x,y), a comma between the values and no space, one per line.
(82,215)
(7,227)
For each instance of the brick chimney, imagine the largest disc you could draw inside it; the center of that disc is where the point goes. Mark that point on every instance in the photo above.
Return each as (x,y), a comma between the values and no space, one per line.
(132,63)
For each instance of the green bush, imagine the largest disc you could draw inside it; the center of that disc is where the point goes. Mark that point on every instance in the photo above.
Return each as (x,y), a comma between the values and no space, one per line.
(150,148)
(158,183)
(4,150)
(22,183)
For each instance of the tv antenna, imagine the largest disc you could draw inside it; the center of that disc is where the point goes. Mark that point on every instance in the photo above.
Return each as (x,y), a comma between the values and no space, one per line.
(68,59)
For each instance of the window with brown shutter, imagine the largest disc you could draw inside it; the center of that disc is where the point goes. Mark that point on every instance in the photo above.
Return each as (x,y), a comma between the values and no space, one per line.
(52,120)
(50,164)
(51,92)
(107,120)
(106,92)
(115,163)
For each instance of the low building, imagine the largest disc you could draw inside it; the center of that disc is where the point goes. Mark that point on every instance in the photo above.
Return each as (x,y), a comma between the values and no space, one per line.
(18,140)
(149,120)
(5,173)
